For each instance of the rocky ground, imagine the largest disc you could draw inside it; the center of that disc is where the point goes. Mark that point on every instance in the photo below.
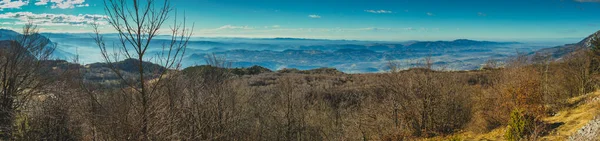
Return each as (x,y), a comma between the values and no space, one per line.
(589,132)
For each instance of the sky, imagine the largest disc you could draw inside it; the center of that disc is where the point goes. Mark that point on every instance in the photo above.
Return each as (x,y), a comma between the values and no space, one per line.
(382,20)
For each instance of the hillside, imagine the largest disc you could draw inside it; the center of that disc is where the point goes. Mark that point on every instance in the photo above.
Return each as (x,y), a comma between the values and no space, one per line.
(58,53)
(560,51)
(578,122)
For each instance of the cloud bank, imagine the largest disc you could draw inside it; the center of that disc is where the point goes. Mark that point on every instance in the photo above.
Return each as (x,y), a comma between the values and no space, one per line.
(379,11)
(12,4)
(225,27)
(62,4)
(45,19)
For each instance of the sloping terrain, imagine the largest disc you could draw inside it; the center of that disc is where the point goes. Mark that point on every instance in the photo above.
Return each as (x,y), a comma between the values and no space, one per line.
(583,110)
(560,51)
(580,121)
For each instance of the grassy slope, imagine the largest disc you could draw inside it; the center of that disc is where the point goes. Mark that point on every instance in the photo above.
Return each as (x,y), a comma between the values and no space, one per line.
(575,117)
(582,110)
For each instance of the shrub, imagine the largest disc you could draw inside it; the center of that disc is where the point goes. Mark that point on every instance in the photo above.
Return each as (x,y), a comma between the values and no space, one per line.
(520,125)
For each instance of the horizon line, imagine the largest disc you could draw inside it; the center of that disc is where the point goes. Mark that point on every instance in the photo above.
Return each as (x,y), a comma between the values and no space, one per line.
(337,39)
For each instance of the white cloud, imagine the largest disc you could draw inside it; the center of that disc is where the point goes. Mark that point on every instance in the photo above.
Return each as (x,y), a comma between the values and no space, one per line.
(45,19)
(430,14)
(41,2)
(587,0)
(379,11)
(314,16)
(481,14)
(273,26)
(63,4)
(82,5)
(226,27)
(12,4)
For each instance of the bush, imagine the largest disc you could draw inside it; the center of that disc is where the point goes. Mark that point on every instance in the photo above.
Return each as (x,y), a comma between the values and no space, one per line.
(520,125)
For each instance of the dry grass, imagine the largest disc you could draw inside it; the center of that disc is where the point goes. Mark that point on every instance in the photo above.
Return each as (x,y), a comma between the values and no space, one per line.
(494,135)
(575,117)
(582,110)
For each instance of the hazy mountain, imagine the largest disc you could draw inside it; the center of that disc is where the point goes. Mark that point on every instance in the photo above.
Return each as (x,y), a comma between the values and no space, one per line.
(58,52)
(456,43)
(6,34)
(559,51)
(372,56)
(350,56)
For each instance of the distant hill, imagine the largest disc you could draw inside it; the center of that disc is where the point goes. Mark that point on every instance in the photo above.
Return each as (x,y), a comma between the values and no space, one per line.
(207,69)
(255,70)
(560,51)
(57,54)
(349,56)
(101,73)
(455,43)
(587,42)
(130,65)
(370,57)
(6,46)
(6,34)
(329,71)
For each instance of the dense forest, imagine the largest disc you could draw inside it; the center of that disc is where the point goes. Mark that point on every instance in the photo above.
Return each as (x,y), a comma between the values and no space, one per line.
(135,99)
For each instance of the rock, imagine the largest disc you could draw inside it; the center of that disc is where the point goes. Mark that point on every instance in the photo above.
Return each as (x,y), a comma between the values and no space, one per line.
(590,131)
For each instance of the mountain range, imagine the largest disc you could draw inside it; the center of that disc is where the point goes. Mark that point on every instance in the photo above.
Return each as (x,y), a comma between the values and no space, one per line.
(459,54)
(350,56)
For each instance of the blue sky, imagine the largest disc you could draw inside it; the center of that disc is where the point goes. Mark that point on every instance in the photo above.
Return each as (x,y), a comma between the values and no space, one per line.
(390,20)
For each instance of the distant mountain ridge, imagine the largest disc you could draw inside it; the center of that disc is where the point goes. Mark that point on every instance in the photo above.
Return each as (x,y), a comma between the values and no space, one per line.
(58,53)
(458,42)
(560,51)
(277,53)
(6,34)
(587,42)
(373,56)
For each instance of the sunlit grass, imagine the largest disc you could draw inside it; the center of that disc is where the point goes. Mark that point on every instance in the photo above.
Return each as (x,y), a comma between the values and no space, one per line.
(583,110)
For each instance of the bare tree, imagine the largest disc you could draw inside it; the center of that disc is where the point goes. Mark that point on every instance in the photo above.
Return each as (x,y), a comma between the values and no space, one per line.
(137,24)
(21,74)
